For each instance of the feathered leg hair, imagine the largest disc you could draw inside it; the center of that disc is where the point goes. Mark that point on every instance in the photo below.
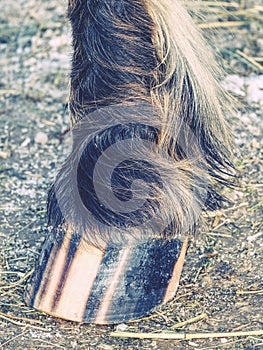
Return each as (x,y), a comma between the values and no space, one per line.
(142,81)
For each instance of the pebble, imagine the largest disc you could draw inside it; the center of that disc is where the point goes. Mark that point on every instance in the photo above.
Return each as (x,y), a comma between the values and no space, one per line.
(59,41)
(3,155)
(250,87)
(26,142)
(254,88)
(121,327)
(41,138)
(235,84)
(224,340)
(30,62)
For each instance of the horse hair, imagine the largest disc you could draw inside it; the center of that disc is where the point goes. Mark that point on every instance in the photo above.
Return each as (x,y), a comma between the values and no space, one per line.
(129,56)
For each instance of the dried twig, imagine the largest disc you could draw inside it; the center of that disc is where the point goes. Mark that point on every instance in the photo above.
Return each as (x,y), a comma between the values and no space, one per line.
(185,336)
(21,318)
(12,339)
(220,4)
(251,60)
(13,285)
(191,320)
(222,24)
(10,92)
(7,318)
(243,292)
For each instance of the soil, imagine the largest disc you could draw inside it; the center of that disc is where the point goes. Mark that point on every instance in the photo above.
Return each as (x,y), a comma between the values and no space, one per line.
(222,277)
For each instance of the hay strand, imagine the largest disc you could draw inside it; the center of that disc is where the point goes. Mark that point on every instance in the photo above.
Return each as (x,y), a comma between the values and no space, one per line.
(191,320)
(185,336)
(222,24)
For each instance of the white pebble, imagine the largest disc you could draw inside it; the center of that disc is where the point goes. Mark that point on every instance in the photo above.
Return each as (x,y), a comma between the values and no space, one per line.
(224,340)
(234,84)
(121,327)
(255,88)
(3,155)
(26,142)
(41,138)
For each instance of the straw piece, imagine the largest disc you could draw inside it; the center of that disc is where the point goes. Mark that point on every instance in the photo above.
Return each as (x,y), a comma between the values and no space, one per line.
(10,92)
(220,4)
(222,24)
(191,320)
(10,286)
(6,318)
(185,336)
(243,292)
(21,318)
(251,60)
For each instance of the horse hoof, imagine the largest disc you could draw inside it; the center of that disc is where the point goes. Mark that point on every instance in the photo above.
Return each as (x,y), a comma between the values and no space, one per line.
(79,282)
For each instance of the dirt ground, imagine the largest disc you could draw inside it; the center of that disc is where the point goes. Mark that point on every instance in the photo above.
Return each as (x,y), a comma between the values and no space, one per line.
(222,278)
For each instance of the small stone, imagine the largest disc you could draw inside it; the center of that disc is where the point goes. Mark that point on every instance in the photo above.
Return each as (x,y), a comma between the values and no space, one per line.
(121,327)
(224,340)
(3,155)
(234,84)
(30,62)
(255,89)
(105,347)
(56,42)
(195,345)
(26,142)
(41,138)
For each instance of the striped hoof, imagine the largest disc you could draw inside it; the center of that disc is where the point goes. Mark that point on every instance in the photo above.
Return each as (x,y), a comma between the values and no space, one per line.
(79,282)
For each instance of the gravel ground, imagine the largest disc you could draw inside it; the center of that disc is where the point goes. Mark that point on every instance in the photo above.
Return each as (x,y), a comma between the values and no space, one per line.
(222,278)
